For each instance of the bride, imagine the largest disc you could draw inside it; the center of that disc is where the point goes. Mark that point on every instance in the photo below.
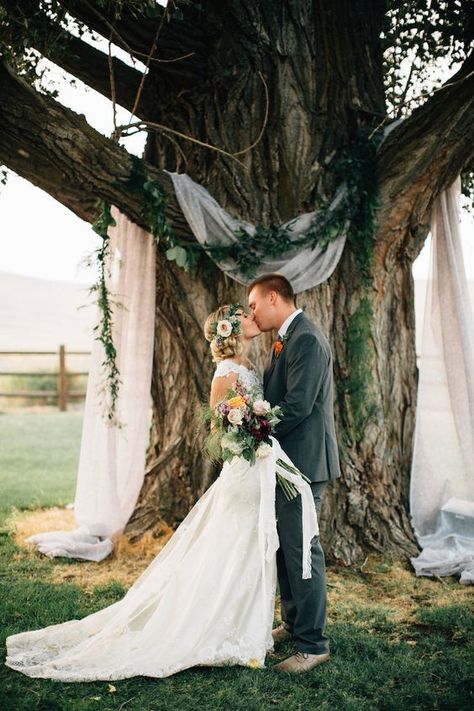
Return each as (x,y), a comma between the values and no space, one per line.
(208,596)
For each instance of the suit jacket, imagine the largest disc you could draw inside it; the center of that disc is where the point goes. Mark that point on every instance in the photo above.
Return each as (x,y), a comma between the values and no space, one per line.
(300,380)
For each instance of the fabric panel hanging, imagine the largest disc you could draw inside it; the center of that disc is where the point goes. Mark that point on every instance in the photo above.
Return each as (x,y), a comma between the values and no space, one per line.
(442,476)
(112,459)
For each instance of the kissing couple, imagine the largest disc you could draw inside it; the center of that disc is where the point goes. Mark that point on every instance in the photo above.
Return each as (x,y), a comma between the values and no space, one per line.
(208,597)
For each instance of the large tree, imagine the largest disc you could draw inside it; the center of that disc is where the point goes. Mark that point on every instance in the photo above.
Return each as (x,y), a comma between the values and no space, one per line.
(269,105)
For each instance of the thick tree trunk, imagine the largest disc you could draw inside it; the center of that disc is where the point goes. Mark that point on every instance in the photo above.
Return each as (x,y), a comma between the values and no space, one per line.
(319,65)
(309,117)
(368,508)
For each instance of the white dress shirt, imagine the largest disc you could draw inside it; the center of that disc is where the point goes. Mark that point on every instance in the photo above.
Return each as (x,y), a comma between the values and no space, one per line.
(285,325)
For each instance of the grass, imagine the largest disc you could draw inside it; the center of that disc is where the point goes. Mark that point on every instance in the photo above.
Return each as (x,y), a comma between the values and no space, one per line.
(39,454)
(399,643)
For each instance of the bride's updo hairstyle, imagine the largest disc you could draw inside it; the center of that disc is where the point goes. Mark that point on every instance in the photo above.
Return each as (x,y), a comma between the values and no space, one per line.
(222,330)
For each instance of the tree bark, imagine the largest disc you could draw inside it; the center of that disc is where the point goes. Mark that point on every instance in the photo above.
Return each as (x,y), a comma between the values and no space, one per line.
(320,66)
(422,156)
(310,116)
(54,148)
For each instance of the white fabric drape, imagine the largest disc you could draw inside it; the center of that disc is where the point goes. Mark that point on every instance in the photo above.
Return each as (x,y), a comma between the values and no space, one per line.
(112,459)
(442,477)
(212,225)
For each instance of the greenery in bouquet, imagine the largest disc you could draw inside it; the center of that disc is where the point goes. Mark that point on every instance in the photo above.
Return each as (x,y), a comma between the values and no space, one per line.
(241,425)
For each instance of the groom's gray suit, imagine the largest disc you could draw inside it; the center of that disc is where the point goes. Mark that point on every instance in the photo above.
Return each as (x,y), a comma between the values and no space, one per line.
(300,380)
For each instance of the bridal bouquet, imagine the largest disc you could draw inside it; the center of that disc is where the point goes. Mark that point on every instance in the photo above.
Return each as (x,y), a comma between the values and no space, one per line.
(241,426)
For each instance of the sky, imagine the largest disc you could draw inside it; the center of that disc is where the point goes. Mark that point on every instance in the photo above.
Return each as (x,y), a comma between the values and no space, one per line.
(40,237)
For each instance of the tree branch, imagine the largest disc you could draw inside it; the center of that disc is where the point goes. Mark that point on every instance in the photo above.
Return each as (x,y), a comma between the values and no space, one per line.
(421,157)
(90,65)
(136,34)
(56,149)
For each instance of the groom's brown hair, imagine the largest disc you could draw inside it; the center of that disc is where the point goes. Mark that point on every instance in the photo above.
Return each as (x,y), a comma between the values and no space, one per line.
(274,282)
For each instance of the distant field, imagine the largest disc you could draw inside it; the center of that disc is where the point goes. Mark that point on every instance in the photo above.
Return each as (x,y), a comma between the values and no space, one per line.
(39,454)
(38,314)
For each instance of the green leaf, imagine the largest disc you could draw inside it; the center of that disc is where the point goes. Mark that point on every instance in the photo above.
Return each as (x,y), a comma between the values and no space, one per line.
(178,255)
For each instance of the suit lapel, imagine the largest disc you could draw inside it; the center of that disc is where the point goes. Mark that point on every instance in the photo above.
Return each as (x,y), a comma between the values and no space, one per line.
(273,360)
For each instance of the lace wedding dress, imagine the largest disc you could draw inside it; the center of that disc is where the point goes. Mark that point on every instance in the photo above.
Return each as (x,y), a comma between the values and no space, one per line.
(206,599)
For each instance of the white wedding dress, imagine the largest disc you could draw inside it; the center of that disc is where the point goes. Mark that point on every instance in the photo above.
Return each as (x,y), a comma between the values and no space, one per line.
(206,599)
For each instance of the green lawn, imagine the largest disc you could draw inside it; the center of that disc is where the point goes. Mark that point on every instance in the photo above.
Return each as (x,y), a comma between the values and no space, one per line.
(399,643)
(39,454)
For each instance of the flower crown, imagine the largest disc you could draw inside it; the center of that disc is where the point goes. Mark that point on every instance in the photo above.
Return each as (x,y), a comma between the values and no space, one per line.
(226,327)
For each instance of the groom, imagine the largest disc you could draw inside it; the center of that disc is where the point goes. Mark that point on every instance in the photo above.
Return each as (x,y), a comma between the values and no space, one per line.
(299,378)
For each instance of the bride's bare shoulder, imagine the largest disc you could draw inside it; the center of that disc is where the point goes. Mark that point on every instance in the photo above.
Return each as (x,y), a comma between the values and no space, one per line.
(222,382)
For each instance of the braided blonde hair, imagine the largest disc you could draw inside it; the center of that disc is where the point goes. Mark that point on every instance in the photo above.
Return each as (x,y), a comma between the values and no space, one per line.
(232,345)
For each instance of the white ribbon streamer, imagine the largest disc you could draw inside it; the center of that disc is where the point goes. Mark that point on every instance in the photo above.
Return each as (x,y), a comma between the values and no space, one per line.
(267,530)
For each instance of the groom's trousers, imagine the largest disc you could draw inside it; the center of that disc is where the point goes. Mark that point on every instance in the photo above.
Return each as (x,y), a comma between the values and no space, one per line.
(303,602)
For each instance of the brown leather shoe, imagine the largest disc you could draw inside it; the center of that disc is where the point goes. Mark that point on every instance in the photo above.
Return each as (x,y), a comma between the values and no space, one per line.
(281,633)
(301,662)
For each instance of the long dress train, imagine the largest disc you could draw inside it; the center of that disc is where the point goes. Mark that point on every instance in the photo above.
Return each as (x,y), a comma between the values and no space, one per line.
(206,599)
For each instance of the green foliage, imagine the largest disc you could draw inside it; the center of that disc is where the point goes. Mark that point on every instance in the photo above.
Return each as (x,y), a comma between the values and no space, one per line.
(111,384)
(424,34)
(467,189)
(3,175)
(212,441)
(358,167)
(352,211)
(154,201)
(358,383)
(31,26)
(420,32)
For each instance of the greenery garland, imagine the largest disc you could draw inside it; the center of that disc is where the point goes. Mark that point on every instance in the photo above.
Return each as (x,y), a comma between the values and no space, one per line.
(354,213)
(358,167)
(111,384)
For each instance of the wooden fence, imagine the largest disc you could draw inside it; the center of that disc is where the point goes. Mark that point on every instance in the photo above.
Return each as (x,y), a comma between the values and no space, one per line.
(62,393)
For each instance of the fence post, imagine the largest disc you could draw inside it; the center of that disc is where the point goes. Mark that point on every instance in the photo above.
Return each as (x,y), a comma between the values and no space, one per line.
(62,380)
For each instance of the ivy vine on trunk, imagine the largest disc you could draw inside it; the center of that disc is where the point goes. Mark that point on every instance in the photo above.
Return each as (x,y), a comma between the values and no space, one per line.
(353,214)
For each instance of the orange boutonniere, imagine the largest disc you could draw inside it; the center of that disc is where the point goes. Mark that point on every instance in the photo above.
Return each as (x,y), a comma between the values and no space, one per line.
(277,348)
(279,345)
